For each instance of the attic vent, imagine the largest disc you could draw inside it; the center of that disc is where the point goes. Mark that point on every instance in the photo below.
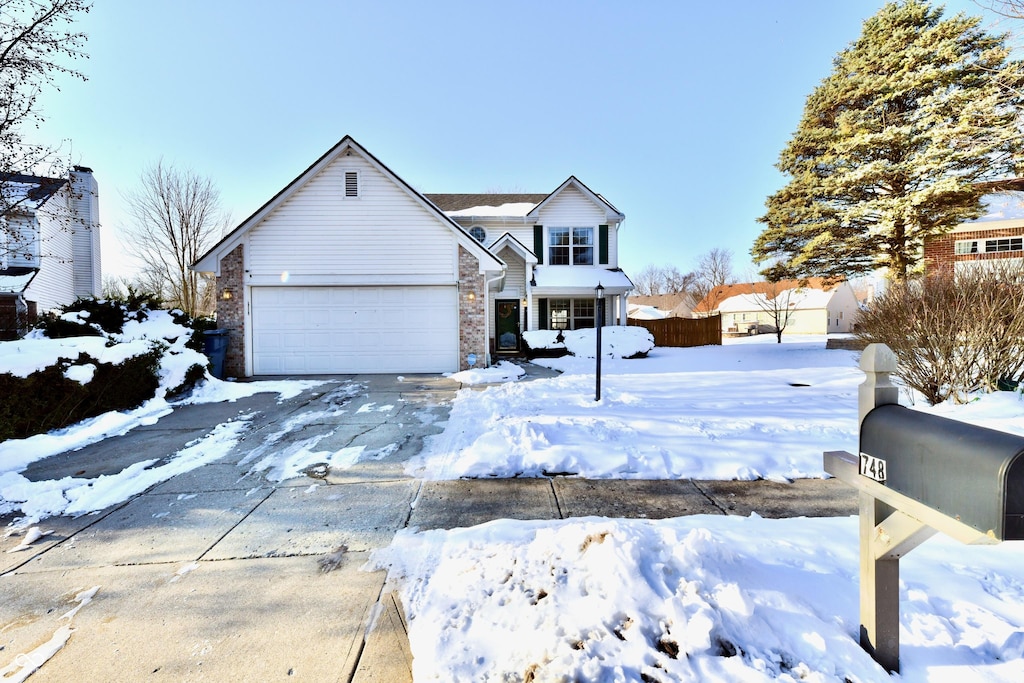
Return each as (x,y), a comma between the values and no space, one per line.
(351,183)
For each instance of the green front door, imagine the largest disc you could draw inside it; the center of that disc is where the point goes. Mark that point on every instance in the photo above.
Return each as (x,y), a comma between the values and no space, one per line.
(506,325)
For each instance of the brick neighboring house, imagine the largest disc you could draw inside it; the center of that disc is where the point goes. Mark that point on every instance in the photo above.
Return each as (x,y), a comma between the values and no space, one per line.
(348,269)
(49,245)
(996,236)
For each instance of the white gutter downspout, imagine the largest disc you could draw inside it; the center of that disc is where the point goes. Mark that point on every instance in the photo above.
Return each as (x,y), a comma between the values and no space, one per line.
(487,315)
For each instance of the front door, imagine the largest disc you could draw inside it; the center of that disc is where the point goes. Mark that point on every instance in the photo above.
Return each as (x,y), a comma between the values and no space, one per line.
(506,325)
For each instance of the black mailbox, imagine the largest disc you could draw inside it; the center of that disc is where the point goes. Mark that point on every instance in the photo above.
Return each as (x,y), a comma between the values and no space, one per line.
(969,473)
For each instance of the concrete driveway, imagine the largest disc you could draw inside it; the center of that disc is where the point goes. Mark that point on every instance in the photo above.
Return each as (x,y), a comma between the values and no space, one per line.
(222,574)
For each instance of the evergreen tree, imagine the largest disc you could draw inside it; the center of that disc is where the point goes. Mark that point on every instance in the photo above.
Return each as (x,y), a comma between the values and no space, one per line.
(915,111)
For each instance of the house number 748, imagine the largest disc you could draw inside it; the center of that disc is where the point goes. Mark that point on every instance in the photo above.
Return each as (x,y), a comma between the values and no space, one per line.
(872,467)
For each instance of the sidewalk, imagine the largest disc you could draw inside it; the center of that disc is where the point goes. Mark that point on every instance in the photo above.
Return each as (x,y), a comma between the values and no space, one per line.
(218,574)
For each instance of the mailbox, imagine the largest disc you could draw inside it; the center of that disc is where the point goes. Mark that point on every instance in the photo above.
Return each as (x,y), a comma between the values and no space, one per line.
(972,474)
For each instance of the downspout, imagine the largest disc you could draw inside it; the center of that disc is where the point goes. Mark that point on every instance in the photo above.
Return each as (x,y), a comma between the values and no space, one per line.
(487,315)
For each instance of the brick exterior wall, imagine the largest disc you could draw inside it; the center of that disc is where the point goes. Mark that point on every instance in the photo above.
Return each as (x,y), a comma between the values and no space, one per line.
(16,316)
(472,314)
(939,252)
(231,312)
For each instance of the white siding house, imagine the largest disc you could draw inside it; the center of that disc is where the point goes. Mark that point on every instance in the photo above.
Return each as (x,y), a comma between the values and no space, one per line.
(565,243)
(350,270)
(49,244)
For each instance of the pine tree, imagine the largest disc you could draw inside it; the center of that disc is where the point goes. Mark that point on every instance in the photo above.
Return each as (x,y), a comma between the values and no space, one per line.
(915,112)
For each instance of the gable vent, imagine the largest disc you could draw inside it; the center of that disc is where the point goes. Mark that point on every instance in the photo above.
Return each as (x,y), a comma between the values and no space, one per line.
(351,183)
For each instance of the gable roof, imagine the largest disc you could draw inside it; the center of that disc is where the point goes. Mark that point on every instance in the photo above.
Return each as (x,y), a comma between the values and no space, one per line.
(611,212)
(507,240)
(720,293)
(210,261)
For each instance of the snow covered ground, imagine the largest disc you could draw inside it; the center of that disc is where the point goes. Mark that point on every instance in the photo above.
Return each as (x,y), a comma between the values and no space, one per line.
(696,598)
(702,598)
(73,496)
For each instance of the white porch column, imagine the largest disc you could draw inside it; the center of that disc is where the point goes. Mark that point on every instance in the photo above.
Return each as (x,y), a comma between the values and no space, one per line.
(623,308)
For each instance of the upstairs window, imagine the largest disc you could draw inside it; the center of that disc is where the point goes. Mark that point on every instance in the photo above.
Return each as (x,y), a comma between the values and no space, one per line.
(351,183)
(571,246)
(478,233)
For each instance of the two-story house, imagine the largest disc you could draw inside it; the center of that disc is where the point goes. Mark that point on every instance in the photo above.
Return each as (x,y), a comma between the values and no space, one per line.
(557,249)
(49,244)
(348,269)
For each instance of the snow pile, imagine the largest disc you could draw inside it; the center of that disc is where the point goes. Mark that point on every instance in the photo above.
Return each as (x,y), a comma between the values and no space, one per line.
(503,371)
(616,341)
(694,598)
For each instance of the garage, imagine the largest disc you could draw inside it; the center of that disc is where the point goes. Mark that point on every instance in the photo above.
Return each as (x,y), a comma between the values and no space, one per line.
(353,330)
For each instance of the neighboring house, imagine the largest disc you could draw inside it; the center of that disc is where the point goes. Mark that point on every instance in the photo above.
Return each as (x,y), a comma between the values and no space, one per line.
(998,236)
(348,269)
(49,245)
(646,312)
(813,308)
(666,305)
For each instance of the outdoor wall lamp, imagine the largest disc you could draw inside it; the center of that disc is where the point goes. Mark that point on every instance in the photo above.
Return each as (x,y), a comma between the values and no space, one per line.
(471,296)
(228,294)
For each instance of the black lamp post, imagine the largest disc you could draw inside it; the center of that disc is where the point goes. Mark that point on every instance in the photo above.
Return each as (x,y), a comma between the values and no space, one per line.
(598,321)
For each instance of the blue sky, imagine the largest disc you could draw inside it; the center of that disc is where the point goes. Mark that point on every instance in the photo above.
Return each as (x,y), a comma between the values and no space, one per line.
(675,111)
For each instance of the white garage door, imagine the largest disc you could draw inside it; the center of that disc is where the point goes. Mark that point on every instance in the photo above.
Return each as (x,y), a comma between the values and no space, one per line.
(326,330)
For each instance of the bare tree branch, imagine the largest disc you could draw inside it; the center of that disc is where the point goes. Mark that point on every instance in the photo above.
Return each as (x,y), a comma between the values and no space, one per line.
(176,215)
(36,44)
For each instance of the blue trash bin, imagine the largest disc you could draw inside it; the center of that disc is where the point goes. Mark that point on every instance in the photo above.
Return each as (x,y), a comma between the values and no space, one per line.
(215,346)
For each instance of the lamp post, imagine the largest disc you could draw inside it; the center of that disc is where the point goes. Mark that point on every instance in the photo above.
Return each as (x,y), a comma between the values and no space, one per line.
(598,321)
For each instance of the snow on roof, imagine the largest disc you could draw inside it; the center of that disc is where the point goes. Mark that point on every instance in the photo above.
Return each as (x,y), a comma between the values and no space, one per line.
(517,209)
(15,283)
(799,299)
(586,277)
(644,312)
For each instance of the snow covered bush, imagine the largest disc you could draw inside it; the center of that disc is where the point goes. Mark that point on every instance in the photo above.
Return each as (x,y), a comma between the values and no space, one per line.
(616,341)
(953,334)
(93,357)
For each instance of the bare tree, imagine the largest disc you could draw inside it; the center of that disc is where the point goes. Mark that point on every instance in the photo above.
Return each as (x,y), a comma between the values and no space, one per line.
(1008,8)
(777,301)
(176,215)
(36,43)
(653,280)
(714,269)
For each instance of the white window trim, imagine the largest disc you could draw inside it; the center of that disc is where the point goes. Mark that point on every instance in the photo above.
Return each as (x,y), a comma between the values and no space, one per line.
(981,246)
(572,314)
(572,247)
(475,227)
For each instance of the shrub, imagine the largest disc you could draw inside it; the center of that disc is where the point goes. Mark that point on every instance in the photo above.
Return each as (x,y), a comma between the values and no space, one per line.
(953,333)
(47,399)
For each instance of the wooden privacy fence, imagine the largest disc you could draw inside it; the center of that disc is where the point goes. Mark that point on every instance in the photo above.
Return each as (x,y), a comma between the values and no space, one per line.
(684,331)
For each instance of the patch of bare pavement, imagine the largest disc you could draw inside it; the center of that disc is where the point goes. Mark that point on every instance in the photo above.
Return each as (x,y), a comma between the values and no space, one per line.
(220,574)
